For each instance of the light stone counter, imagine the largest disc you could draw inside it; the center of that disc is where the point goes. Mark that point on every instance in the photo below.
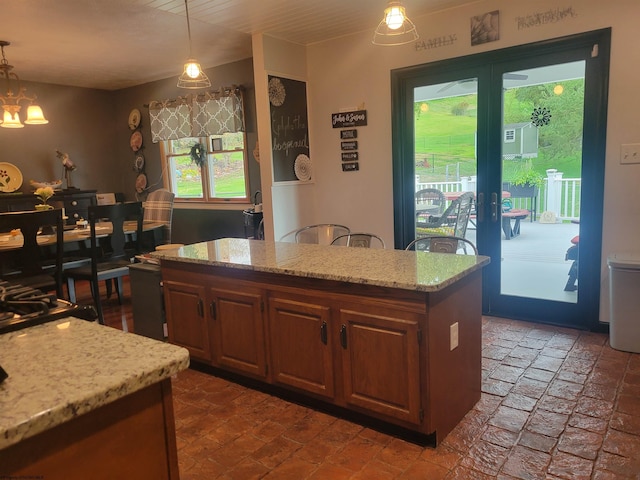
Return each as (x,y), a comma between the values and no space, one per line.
(65,368)
(418,271)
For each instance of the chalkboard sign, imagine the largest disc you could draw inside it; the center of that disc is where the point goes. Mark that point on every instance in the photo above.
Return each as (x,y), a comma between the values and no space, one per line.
(289,129)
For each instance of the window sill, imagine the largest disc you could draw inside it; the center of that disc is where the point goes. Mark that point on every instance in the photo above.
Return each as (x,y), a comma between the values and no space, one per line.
(210,206)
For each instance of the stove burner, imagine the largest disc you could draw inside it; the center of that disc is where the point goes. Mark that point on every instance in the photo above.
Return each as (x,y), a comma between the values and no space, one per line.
(22,306)
(23,300)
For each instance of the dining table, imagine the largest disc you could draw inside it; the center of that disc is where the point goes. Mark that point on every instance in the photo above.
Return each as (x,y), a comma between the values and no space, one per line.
(13,240)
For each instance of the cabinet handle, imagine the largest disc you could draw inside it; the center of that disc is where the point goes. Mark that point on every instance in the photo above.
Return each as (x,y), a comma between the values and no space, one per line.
(200,308)
(343,336)
(323,332)
(212,309)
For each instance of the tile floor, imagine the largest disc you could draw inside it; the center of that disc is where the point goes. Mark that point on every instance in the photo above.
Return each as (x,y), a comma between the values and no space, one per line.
(556,404)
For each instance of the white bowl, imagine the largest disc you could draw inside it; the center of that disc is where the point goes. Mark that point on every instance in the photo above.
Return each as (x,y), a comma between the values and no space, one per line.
(56,184)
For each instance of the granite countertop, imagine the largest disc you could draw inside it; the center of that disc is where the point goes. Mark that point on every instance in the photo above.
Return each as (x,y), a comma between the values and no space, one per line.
(417,271)
(62,369)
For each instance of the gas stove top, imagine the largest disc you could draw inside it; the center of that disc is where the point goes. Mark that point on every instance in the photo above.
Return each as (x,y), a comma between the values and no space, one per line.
(22,306)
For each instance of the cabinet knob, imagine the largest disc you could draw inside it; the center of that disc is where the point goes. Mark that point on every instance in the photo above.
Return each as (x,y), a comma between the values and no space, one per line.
(76,215)
(74,203)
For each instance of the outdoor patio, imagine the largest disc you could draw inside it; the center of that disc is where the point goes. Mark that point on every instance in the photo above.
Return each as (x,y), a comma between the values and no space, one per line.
(533,263)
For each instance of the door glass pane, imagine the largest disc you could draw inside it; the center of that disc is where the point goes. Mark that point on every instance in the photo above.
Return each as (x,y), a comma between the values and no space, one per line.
(541,181)
(445,117)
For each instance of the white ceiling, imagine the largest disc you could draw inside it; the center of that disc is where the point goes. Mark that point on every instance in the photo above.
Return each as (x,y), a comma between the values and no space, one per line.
(113,44)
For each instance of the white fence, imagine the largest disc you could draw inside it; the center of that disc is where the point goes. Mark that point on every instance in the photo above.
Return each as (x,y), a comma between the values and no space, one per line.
(558,195)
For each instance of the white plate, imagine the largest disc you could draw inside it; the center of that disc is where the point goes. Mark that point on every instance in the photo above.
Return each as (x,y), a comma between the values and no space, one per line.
(302,167)
(10,177)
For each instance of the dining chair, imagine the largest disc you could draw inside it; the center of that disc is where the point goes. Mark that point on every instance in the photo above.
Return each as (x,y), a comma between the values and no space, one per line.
(28,264)
(441,244)
(364,240)
(322,234)
(159,208)
(111,254)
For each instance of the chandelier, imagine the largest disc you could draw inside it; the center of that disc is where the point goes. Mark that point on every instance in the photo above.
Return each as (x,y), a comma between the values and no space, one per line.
(11,101)
(192,75)
(395,28)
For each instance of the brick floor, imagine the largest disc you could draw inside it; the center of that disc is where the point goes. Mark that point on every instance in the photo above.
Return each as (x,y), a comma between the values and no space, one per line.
(557,403)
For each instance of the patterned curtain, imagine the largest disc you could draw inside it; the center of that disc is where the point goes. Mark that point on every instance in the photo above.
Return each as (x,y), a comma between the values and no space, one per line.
(201,115)
(170,119)
(215,114)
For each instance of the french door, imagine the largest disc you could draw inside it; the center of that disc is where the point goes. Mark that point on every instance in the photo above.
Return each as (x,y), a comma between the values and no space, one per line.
(524,130)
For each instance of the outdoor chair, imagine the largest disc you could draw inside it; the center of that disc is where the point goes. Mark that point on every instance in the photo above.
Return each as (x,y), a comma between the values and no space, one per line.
(429,202)
(452,222)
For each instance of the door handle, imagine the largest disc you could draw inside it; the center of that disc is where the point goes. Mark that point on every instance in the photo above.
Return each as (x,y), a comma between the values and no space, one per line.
(323,332)
(494,207)
(343,336)
(480,207)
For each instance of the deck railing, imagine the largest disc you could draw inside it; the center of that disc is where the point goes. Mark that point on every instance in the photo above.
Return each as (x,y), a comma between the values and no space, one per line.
(558,195)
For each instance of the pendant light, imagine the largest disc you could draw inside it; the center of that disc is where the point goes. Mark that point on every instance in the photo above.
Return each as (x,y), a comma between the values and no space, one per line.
(192,76)
(395,27)
(11,100)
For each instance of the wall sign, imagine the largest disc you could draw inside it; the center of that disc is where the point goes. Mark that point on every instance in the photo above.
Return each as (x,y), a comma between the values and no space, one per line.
(357,118)
(289,127)
(353,145)
(349,156)
(350,167)
(346,134)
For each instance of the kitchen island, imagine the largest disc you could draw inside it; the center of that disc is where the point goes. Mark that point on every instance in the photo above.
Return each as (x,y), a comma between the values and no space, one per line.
(390,334)
(84,400)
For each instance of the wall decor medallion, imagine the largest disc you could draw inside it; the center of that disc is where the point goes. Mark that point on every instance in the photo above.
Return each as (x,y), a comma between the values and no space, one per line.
(134,119)
(136,141)
(141,182)
(277,92)
(302,168)
(138,164)
(541,116)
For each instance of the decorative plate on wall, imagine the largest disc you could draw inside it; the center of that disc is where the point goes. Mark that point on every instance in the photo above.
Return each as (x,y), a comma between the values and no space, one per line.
(134,119)
(138,165)
(141,183)
(10,177)
(135,141)
(302,168)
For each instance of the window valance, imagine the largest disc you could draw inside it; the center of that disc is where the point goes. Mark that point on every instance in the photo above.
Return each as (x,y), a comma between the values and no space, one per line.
(210,113)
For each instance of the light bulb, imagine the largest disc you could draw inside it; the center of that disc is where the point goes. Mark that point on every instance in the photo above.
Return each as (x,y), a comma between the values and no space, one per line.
(558,89)
(394,16)
(192,69)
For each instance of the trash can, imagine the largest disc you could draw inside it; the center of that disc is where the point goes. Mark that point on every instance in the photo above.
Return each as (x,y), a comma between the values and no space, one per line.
(624,300)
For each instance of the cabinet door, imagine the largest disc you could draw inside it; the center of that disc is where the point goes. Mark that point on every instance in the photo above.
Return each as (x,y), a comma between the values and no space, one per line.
(186,322)
(380,363)
(238,330)
(300,348)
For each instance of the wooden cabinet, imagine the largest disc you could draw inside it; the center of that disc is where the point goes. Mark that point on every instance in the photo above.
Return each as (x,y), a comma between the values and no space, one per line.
(221,326)
(75,202)
(380,366)
(301,347)
(384,353)
(238,329)
(184,303)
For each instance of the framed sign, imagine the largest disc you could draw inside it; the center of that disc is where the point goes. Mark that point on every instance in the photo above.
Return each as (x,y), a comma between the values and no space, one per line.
(289,129)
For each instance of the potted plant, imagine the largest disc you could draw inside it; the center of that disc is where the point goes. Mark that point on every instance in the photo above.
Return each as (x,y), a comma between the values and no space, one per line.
(44,194)
(525,183)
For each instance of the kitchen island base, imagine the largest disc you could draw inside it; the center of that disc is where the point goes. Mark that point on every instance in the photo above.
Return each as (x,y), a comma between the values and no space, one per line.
(387,353)
(132,437)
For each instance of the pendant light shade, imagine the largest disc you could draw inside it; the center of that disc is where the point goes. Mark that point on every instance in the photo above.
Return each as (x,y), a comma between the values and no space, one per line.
(192,75)
(395,28)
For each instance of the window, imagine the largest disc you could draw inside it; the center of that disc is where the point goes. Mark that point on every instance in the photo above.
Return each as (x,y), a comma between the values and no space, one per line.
(509,135)
(221,178)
